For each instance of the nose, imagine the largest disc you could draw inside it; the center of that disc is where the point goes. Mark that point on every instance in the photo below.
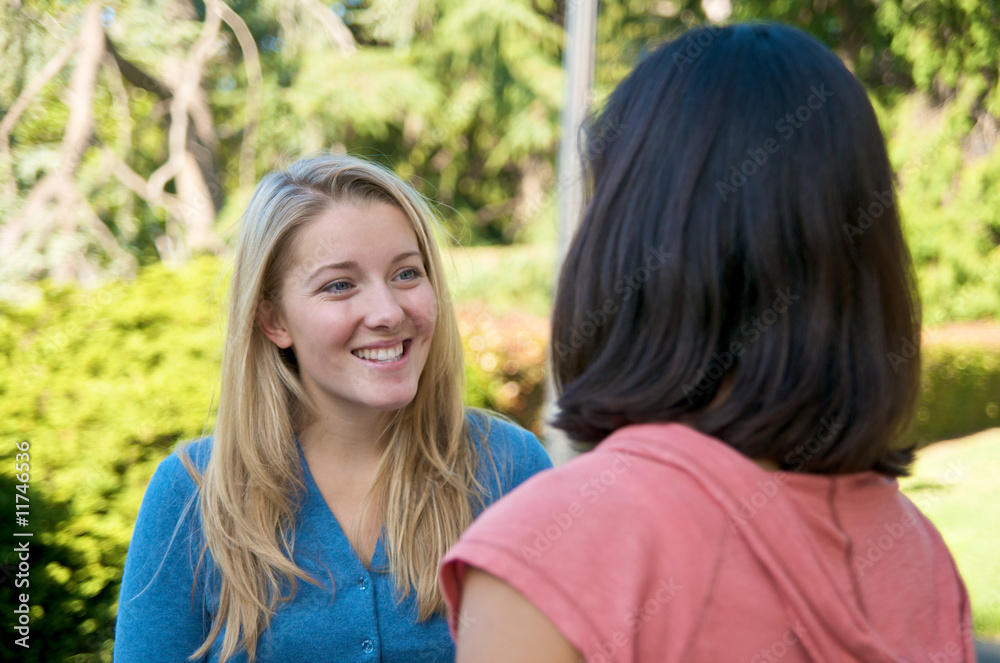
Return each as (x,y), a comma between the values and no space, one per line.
(384,312)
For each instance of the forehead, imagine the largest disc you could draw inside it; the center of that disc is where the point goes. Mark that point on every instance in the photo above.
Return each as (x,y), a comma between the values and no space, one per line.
(366,234)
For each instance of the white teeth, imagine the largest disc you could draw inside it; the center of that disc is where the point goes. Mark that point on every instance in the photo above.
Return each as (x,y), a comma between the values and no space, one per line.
(381,354)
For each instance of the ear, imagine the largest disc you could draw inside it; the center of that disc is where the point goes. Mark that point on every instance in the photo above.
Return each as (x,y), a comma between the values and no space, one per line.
(271,323)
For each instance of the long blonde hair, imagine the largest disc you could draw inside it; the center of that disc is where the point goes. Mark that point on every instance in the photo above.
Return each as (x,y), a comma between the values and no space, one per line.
(425,482)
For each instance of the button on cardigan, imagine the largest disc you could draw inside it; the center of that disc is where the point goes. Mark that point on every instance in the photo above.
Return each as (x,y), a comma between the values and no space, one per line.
(165,607)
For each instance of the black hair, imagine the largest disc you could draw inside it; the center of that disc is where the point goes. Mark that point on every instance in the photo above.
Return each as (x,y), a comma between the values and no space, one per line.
(740,265)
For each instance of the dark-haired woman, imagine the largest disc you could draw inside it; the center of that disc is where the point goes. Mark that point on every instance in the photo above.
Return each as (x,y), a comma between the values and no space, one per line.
(745,395)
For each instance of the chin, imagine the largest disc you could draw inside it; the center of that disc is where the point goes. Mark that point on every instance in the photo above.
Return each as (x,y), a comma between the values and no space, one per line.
(391,405)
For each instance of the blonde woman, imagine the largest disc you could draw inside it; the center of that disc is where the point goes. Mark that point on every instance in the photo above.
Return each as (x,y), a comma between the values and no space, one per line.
(343,463)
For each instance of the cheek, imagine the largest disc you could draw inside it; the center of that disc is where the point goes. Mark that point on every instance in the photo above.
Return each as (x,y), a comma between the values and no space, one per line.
(321,327)
(423,309)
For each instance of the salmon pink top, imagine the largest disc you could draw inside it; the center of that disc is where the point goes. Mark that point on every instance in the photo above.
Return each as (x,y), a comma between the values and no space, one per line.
(664,544)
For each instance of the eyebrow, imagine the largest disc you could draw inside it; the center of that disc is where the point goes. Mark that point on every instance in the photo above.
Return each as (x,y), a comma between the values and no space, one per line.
(350,264)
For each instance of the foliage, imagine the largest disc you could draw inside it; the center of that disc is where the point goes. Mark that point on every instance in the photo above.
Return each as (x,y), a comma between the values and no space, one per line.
(949,195)
(849,27)
(101,384)
(959,391)
(505,363)
(461,98)
(509,279)
(952,46)
(487,152)
(70,615)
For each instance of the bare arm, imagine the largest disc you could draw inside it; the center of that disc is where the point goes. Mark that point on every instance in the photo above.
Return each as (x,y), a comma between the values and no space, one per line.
(498,625)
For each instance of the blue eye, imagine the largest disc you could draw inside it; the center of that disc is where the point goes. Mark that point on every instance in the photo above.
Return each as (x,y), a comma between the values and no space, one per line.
(337,286)
(409,274)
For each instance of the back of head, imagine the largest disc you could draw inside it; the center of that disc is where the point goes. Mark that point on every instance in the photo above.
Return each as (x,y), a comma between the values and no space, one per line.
(740,266)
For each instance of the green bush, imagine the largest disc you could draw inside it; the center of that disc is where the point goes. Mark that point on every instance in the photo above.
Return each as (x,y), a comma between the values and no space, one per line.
(102,384)
(505,362)
(959,391)
(949,197)
(67,617)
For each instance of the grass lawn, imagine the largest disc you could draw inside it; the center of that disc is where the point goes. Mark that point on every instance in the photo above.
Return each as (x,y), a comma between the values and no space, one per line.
(957,485)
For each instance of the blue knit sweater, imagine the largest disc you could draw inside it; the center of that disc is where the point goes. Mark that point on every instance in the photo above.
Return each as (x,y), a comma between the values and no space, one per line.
(165,608)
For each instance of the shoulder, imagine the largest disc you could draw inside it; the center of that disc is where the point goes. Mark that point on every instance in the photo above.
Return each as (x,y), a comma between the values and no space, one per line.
(172,477)
(503,436)
(170,497)
(633,528)
(168,526)
(600,487)
(198,451)
(508,454)
(160,612)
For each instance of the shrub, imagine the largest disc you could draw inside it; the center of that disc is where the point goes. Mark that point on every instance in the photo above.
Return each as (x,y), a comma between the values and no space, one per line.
(504,362)
(949,197)
(102,384)
(959,384)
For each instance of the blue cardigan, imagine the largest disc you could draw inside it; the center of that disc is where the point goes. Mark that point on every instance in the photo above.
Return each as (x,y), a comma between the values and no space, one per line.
(165,608)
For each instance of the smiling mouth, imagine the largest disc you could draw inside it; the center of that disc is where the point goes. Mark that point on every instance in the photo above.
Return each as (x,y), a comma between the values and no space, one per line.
(381,355)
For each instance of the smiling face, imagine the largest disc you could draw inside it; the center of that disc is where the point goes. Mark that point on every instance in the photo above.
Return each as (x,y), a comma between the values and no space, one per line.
(357,309)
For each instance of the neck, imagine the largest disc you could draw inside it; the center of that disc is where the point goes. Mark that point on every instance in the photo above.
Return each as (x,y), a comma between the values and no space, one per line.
(346,441)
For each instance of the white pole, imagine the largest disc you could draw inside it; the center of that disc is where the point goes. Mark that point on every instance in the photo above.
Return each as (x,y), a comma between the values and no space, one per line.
(578,62)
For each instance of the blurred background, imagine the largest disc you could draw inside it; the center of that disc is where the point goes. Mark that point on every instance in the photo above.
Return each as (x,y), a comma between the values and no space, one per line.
(132,132)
